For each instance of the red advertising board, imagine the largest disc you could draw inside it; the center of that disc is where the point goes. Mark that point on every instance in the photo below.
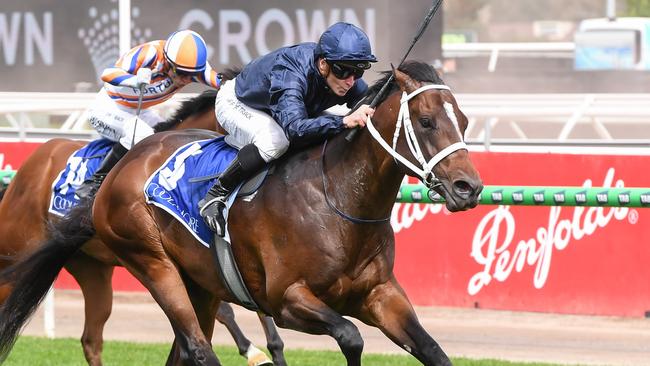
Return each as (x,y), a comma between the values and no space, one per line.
(552,259)
(12,154)
(582,260)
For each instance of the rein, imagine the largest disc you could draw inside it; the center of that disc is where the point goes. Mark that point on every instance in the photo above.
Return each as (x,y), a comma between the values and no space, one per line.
(356,220)
(404,117)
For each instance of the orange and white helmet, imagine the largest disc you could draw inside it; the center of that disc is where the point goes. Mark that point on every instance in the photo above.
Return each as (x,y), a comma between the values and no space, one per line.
(186,51)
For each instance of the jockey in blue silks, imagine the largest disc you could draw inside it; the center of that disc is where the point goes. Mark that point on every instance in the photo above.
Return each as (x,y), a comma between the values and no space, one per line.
(279,99)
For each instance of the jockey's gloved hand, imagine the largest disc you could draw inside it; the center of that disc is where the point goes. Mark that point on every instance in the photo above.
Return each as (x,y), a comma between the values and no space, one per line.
(212,212)
(144,76)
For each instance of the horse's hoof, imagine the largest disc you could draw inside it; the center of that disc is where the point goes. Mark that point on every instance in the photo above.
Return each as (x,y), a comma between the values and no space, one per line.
(260,359)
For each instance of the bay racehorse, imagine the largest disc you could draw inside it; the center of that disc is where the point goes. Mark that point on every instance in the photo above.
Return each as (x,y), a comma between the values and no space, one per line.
(313,245)
(23,217)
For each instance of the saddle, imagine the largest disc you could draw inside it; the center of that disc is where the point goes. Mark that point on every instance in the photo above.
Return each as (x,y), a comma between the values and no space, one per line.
(80,166)
(182,181)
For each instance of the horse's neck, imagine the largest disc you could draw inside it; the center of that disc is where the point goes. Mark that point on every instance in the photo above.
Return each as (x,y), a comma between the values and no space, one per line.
(204,121)
(365,177)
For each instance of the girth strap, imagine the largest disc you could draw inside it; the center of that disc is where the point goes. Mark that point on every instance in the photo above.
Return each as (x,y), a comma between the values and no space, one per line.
(230,273)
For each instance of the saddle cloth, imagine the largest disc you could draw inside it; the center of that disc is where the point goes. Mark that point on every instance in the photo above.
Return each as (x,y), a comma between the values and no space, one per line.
(174,189)
(80,165)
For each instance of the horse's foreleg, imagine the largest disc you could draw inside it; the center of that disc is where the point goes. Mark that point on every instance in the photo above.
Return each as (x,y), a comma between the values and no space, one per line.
(273,341)
(94,279)
(304,312)
(388,308)
(255,357)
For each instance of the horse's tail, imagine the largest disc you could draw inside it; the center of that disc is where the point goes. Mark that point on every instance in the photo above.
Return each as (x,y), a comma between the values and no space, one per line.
(32,276)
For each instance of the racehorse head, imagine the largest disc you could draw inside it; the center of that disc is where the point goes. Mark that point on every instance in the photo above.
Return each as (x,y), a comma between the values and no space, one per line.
(427,137)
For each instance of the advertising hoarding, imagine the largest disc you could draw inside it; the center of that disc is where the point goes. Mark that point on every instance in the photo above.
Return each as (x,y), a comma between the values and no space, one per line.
(65,45)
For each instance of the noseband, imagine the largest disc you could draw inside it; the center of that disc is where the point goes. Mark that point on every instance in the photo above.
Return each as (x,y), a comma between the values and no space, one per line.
(404,117)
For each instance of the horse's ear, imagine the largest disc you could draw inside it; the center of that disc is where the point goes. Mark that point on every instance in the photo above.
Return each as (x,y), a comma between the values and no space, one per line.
(404,81)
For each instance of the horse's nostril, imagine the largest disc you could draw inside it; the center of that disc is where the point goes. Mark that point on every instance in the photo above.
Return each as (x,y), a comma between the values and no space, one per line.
(463,189)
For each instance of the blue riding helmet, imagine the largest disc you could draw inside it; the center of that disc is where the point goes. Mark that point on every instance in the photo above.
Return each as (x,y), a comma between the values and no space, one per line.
(345,42)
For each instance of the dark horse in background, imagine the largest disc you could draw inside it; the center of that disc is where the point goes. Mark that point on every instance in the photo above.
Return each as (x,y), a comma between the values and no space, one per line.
(23,217)
(314,245)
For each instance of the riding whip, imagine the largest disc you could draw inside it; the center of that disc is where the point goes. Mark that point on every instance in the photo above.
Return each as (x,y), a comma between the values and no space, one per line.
(144,77)
(434,8)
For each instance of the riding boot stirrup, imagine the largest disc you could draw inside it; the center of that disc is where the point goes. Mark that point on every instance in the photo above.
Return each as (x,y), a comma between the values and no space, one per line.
(212,208)
(247,162)
(91,185)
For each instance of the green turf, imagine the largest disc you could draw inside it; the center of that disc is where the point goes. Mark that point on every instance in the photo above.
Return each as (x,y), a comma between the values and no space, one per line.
(33,351)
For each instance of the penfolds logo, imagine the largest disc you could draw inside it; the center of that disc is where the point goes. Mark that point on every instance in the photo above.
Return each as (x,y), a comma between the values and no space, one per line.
(405,214)
(496,248)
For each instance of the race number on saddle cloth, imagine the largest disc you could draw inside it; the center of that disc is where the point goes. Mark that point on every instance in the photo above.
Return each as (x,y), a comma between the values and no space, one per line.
(172,188)
(81,165)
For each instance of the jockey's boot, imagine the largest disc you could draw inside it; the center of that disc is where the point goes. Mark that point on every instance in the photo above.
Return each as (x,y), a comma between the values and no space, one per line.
(90,186)
(247,162)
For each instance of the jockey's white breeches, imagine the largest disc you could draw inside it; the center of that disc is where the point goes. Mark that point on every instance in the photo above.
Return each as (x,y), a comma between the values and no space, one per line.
(118,123)
(246,125)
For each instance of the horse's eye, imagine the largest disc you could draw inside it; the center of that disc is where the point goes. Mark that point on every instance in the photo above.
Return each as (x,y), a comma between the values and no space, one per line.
(426,122)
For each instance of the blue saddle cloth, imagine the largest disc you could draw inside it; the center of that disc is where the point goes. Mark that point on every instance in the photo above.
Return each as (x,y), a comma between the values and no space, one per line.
(172,189)
(81,165)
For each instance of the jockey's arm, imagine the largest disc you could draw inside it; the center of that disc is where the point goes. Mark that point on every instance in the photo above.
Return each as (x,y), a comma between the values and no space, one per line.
(209,77)
(124,72)
(288,109)
(119,77)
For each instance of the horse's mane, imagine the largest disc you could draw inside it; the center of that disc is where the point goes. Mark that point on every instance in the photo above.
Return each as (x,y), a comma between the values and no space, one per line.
(417,70)
(198,104)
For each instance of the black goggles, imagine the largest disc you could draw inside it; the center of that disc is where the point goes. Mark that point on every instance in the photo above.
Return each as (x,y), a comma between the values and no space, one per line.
(343,71)
(180,72)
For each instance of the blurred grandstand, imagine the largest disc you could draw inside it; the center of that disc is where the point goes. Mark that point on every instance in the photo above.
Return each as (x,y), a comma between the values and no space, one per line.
(512,64)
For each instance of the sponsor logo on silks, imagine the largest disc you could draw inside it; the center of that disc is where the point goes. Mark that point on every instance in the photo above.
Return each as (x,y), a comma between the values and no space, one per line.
(581,198)
(624,198)
(559,198)
(518,197)
(602,197)
(645,198)
(539,197)
(497,196)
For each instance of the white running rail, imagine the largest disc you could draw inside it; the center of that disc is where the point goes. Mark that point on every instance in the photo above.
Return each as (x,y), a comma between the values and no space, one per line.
(493,50)
(520,119)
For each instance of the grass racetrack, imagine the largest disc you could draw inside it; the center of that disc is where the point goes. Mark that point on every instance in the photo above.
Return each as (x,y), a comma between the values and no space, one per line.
(37,351)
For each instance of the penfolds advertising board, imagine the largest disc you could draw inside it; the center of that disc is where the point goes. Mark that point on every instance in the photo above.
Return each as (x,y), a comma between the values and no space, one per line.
(583,260)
